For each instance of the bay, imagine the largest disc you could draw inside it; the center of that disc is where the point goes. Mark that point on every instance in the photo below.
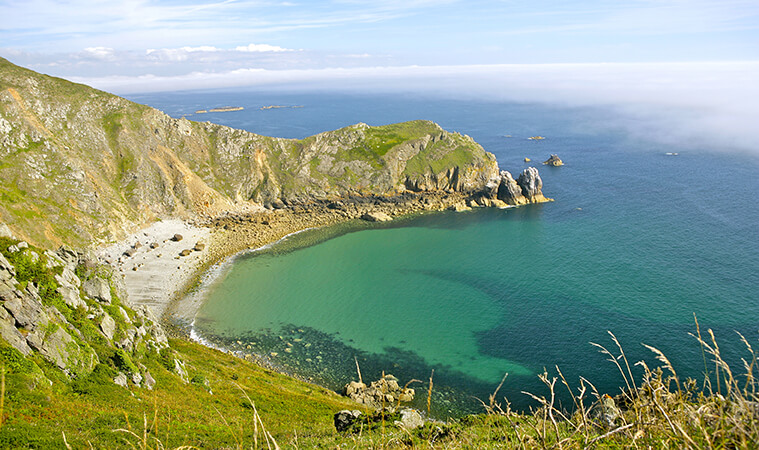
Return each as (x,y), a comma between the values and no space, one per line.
(637,242)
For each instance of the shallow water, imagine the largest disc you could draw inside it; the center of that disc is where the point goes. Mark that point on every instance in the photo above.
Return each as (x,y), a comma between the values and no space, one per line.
(637,242)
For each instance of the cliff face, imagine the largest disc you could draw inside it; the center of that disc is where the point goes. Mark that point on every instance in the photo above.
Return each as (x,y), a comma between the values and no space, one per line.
(66,309)
(80,166)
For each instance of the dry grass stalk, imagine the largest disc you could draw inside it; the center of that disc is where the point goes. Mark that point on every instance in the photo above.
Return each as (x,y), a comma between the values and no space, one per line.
(661,411)
(2,395)
(429,392)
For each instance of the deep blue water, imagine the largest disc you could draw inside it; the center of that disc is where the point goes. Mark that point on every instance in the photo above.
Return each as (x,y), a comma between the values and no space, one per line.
(637,242)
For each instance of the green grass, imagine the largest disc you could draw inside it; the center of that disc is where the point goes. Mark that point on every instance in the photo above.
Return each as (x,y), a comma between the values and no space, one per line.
(436,162)
(89,409)
(379,140)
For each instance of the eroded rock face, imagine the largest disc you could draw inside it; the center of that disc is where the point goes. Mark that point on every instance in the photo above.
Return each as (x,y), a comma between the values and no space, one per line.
(531,184)
(98,289)
(503,190)
(509,191)
(29,324)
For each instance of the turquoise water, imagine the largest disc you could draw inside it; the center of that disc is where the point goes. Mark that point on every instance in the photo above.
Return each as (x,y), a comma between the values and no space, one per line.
(637,242)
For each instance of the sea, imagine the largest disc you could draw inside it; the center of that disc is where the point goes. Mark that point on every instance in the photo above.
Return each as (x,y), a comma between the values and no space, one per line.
(649,240)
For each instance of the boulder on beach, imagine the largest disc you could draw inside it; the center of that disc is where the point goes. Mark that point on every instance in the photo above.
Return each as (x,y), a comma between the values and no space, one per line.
(177,237)
(376,216)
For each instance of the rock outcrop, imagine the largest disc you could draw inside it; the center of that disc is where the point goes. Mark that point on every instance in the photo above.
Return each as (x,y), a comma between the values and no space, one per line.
(554,160)
(52,311)
(354,421)
(384,392)
(504,190)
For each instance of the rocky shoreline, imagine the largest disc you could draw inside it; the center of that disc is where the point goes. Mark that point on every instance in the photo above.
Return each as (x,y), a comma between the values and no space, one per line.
(235,232)
(160,270)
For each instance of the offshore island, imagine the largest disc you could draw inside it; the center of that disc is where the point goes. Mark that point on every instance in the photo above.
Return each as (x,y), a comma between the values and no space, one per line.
(111,210)
(220,109)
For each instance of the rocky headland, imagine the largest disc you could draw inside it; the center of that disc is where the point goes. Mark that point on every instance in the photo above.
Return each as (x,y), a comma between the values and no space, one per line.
(91,170)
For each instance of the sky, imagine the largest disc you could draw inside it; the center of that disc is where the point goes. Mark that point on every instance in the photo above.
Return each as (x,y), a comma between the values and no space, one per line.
(99,38)
(693,54)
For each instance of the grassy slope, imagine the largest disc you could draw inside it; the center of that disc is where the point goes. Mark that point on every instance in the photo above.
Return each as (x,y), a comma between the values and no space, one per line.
(177,413)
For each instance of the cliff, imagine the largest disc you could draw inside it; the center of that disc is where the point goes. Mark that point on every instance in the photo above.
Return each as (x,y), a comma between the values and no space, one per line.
(81,166)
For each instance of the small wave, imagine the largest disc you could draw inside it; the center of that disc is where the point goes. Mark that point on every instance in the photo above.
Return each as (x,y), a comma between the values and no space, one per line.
(272,244)
(195,336)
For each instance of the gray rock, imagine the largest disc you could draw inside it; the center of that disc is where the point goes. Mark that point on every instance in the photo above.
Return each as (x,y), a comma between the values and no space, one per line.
(605,411)
(22,245)
(149,381)
(185,252)
(108,326)
(68,277)
(71,296)
(60,348)
(124,315)
(53,260)
(199,247)
(27,310)
(70,256)
(177,237)
(345,419)
(410,419)
(98,289)
(121,379)
(379,393)
(7,271)
(11,334)
(5,231)
(531,183)
(509,191)
(68,284)
(353,388)
(180,370)
(136,378)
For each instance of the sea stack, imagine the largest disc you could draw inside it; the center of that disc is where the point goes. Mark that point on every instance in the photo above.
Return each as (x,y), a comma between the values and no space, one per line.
(554,160)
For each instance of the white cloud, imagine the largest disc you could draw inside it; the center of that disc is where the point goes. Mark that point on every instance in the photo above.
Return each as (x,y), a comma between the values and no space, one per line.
(262,48)
(102,53)
(177,54)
